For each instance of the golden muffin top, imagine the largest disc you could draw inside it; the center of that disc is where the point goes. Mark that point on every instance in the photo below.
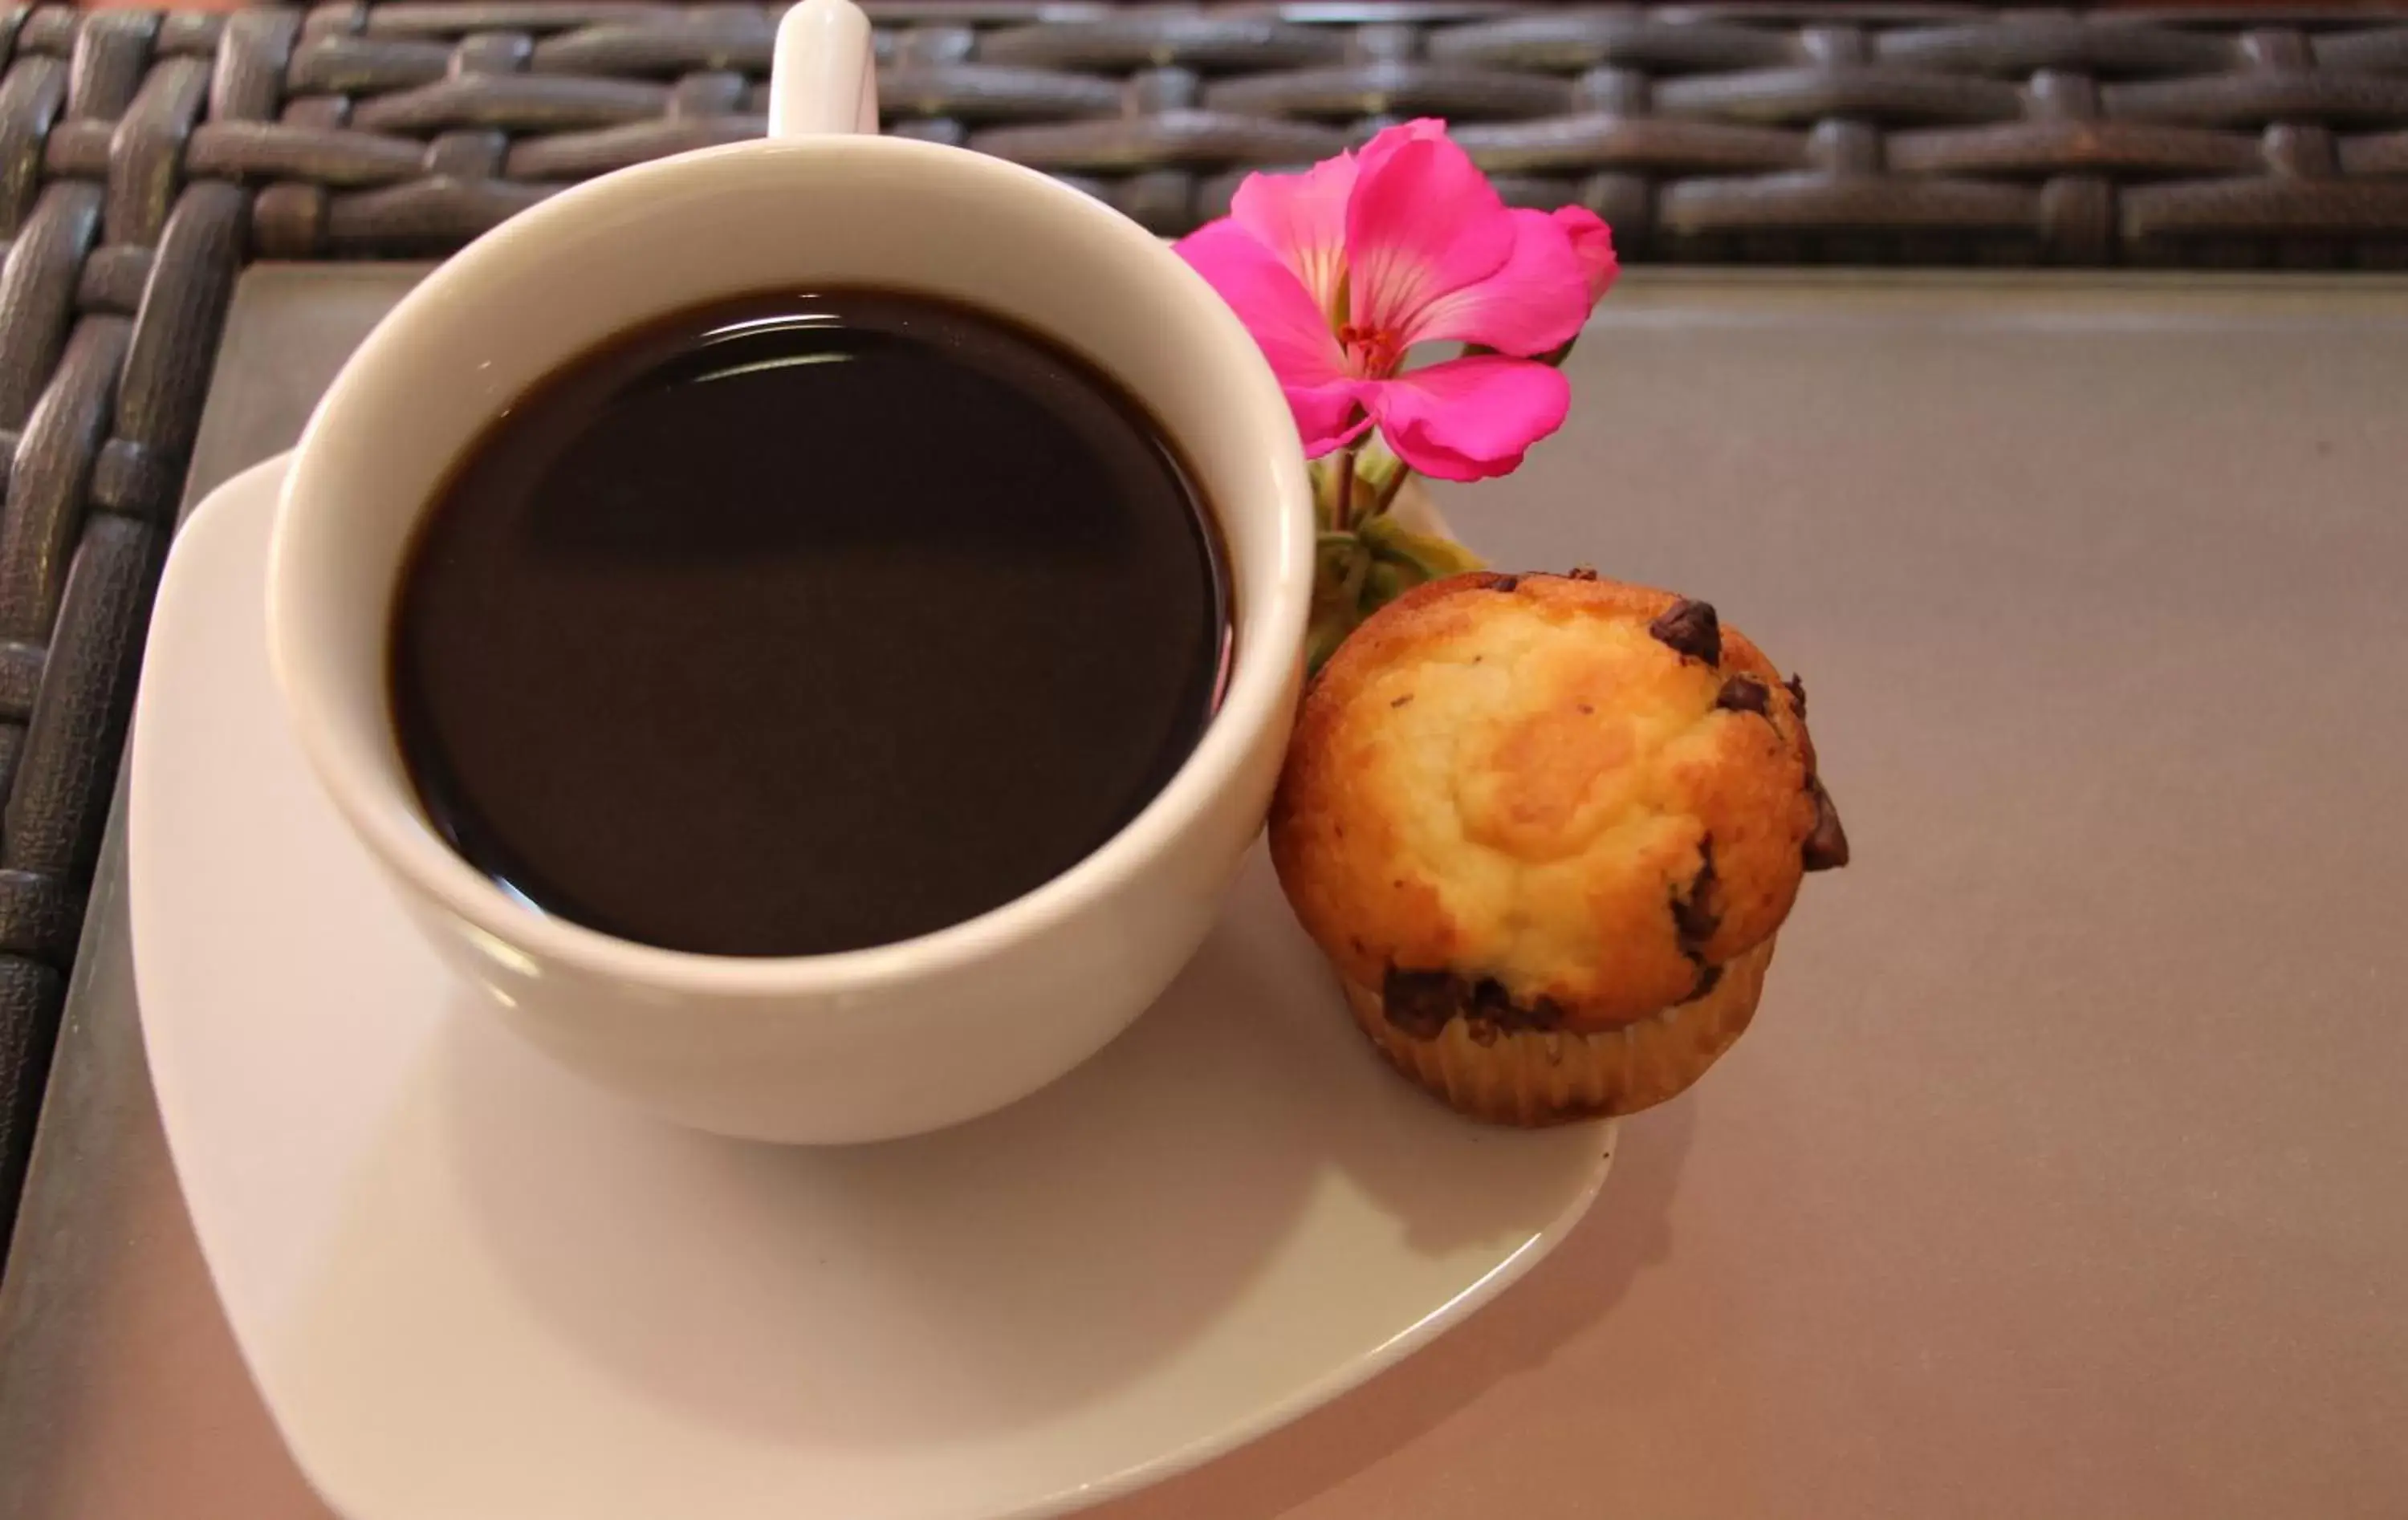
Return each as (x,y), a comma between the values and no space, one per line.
(1552,800)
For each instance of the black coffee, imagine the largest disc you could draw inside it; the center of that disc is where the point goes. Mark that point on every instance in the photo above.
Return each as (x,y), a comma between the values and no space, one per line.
(805,624)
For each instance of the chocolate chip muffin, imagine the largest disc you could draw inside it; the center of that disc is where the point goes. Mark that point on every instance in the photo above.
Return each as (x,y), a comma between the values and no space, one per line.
(1546,826)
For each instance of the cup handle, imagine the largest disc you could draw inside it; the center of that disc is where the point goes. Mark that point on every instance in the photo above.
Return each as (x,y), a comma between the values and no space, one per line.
(822,78)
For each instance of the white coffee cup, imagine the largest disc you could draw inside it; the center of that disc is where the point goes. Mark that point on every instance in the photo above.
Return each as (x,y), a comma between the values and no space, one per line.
(898,1037)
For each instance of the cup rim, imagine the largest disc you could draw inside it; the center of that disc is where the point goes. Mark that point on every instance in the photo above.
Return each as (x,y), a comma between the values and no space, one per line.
(393,823)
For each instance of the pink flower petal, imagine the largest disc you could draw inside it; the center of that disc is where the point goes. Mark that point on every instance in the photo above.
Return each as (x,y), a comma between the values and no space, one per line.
(1269,298)
(1340,432)
(1533,305)
(1593,242)
(1302,219)
(1469,419)
(1423,222)
(1328,416)
(1420,129)
(1289,328)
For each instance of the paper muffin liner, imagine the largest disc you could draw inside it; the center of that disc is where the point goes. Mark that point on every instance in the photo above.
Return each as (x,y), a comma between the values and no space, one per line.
(1532,1076)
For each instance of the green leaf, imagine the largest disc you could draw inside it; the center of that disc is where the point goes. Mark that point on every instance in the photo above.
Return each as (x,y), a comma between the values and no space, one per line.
(1429,556)
(1387,582)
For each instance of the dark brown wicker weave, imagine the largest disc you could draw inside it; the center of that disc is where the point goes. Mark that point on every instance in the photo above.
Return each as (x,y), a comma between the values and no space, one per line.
(144,159)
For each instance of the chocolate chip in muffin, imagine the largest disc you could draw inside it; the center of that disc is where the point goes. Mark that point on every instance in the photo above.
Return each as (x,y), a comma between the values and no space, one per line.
(1691,628)
(1582,572)
(1826,847)
(1797,685)
(1744,693)
(1506,582)
(1697,914)
(1491,1003)
(1420,1002)
(1487,998)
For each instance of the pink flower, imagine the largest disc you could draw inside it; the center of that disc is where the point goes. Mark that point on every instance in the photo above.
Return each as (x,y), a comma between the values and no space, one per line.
(1339,270)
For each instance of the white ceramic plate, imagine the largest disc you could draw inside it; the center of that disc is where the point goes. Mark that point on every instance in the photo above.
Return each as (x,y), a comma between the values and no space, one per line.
(470,1287)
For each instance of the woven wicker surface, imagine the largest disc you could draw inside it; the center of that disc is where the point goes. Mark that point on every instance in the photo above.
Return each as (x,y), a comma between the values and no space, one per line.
(144,159)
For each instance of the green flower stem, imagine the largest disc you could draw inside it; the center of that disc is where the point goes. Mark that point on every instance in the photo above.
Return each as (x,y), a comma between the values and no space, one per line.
(1382,475)
(1364,559)
(1336,489)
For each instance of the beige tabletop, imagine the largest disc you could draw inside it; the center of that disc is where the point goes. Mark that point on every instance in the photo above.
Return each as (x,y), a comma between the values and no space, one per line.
(2066,1170)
